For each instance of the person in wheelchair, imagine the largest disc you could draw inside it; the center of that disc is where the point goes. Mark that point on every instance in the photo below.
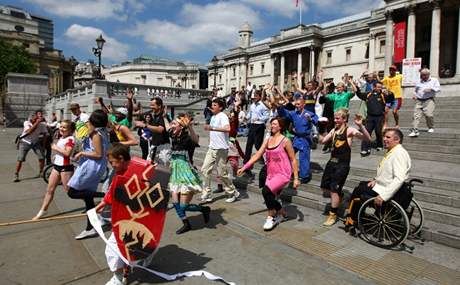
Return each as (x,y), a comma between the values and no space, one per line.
(392,172)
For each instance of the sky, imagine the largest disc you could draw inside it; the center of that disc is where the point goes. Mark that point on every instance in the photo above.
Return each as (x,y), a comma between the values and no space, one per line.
(192,31)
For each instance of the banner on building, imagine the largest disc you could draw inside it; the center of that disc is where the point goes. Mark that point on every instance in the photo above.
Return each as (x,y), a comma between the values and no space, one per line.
(399,42)
(411,71)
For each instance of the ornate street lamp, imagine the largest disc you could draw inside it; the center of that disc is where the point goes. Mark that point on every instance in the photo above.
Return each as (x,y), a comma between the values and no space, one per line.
(214,61)
(98,51)
(73,63)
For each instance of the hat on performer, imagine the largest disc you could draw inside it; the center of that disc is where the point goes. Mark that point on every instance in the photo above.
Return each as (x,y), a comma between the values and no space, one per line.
(393,67)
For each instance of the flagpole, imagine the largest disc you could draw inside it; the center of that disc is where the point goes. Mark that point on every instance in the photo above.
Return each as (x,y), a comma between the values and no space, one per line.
(300,12)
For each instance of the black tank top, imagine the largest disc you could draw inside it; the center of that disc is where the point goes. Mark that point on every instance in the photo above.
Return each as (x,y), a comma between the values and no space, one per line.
(341,150)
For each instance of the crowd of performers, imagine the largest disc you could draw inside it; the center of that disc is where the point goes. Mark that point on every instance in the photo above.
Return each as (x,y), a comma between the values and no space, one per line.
(297,118)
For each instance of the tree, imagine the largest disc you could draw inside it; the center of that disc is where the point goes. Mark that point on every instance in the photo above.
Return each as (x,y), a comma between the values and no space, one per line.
(14,59)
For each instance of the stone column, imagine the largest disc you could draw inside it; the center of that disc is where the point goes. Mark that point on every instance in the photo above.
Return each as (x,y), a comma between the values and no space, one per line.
(371,52)
(312,63)
(281,84)
(238,77)
(224,79)
(299,67)
(457,67)
(410,46)
(244,74)
(435,38)
(272,70)
(388,42)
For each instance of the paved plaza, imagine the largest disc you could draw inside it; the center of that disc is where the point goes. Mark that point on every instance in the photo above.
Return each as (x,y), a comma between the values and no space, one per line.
(233,245)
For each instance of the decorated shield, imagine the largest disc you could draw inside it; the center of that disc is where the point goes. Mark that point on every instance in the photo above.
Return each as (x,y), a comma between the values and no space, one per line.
(139,202)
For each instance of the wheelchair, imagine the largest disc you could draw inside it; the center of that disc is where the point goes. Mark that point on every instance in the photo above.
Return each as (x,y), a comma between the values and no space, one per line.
(391,224)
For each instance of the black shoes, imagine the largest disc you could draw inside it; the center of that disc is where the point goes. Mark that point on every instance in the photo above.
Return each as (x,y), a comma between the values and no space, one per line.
(185,228)
(205,211)
(305,180)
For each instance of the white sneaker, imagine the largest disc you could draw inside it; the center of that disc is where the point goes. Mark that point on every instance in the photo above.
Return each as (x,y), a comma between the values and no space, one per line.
(39,215)
(270,223)
(114,281)
(379,149)
(414,133)
(86,234)
(206,198)
(431,130)
(232,199)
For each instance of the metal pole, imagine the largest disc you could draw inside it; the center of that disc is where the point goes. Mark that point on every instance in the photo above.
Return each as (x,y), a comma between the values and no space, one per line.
(100,71)
(215,74)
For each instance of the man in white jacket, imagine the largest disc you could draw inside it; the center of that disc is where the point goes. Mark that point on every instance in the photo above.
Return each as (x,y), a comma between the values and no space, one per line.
(392,170)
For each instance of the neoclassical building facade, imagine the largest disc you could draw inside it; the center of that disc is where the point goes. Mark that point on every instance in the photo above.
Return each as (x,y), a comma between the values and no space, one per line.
(362,42)
(159,72)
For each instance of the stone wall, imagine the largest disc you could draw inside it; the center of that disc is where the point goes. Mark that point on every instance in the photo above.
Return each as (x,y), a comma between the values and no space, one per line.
(24,94)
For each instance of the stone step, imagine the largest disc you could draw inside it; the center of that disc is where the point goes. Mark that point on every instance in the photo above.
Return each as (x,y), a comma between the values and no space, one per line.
(446,234)
(439,115)
(437,212)
(420,147)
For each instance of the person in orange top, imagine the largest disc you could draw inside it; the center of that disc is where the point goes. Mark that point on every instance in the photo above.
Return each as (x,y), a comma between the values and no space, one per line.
(393,83)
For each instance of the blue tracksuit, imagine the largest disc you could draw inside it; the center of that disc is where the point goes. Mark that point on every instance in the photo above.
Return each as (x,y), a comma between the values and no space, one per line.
(302,139)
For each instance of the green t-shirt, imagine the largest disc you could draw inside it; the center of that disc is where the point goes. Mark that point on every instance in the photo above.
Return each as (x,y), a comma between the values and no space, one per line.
(341,100)
(123,122)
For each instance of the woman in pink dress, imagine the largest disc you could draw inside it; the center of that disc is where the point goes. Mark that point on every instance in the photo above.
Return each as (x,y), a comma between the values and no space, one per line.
(281,163)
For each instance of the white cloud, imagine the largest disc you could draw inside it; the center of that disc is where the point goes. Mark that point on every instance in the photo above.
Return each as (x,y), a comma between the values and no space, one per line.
(84,38)
(285,8)
(209,27)
(345,7)
(91,9)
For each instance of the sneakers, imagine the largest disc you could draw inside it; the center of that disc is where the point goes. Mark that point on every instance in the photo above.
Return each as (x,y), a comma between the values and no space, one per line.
(305,180)
(270,223)
(233,198)
(431,130)
(379,149)
(332,219)
(86,234)
(414,133)
(206,198)
(114,280)
(16,177)
(365,153)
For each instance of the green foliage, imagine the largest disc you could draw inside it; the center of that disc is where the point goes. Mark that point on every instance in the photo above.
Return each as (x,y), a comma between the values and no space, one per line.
(14,59)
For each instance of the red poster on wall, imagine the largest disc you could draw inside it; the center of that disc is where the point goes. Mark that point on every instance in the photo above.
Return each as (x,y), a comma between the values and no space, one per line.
(399,42)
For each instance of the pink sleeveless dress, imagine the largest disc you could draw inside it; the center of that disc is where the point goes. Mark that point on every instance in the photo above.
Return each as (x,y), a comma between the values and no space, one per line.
(279,169)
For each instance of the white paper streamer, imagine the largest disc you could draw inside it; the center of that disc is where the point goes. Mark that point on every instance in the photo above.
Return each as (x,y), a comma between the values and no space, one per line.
(94,220)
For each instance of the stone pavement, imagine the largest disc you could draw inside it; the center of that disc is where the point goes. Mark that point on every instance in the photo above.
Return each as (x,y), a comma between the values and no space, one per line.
(233,245)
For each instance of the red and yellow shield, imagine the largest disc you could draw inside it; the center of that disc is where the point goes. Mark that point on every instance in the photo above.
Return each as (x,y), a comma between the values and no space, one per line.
(139,204)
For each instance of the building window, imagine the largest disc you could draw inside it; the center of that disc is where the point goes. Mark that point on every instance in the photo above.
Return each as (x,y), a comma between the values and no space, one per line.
(262,68)
(328,57)
(220,78)
(234,71)
(382,47)
(348,54)
(366,54)
(251,69)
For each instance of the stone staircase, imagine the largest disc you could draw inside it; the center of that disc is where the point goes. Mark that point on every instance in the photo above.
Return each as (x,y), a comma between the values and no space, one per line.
(435,160)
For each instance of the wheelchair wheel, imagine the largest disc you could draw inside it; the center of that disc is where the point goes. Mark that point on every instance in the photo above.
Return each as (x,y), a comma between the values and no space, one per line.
(386,226)
(416,217)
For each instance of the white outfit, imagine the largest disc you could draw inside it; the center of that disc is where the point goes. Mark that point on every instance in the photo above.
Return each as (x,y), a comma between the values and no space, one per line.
(113,260)
(393,170)
(62,143)
(33,137)
(218,140)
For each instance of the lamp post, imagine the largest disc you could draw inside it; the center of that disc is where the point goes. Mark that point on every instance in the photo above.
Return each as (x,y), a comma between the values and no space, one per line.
(214,61)
(98,51)
(73,63)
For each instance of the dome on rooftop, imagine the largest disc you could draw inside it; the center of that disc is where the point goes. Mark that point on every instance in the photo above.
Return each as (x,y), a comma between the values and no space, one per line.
(245,27)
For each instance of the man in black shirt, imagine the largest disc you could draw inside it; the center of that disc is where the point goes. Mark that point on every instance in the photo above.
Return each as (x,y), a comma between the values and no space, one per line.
(160,148)
(376,102)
